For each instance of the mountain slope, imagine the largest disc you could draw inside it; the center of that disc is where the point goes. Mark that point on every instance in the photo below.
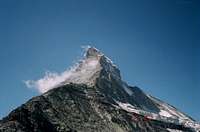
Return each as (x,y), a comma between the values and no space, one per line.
(95,98)
(77,108)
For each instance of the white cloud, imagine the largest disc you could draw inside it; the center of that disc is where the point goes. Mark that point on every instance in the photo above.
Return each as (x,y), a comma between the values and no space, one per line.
(79,73)
(50,80)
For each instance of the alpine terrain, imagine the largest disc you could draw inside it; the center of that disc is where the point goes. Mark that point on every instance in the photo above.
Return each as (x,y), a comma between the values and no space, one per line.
(94,98)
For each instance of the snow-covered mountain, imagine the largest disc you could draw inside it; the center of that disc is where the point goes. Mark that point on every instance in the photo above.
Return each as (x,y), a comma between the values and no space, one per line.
(95,86)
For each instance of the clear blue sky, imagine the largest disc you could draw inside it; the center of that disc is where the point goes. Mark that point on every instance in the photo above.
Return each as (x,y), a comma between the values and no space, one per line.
(154,43)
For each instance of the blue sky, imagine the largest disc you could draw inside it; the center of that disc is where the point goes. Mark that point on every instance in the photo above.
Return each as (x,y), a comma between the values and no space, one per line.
(154,43)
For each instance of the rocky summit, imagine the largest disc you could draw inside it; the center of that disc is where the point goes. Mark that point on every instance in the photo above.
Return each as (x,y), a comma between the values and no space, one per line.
(94,98)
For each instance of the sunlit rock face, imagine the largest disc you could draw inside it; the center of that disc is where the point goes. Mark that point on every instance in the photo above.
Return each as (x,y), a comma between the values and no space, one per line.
(93,97)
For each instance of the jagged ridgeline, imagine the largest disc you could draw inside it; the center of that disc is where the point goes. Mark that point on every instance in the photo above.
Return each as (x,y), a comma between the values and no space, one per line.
(94,98)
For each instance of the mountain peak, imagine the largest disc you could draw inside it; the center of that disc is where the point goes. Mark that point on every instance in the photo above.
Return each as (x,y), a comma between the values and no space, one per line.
(92,52)
(95,65)
(93,94)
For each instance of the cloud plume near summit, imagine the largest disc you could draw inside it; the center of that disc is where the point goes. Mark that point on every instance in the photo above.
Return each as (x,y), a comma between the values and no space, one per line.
(54,79)
(49,81)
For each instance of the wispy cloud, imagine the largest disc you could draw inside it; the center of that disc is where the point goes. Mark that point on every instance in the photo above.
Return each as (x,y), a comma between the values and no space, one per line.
(53,79)
(50,80)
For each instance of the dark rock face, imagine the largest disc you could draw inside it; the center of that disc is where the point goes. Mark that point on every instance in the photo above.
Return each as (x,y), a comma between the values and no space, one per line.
(74,108)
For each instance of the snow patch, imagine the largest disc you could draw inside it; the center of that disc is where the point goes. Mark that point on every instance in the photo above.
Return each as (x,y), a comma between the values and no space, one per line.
(173,130)
(162,116)
(128,107)
(171,110)
(164,113)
